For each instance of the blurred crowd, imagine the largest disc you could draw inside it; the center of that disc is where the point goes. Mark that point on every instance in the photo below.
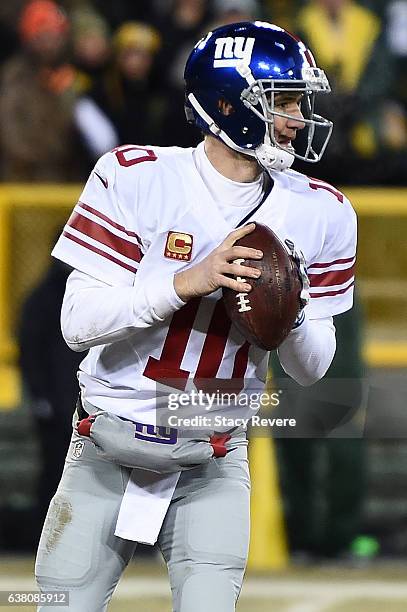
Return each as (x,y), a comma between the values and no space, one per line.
(81,77)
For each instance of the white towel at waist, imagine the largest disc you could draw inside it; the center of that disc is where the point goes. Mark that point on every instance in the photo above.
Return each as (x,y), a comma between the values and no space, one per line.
(144,505)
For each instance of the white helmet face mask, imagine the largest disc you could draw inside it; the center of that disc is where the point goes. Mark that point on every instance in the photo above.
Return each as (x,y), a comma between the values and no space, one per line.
(248,64)
(260,98)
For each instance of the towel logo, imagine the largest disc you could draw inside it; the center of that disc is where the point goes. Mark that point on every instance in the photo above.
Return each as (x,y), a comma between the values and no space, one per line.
(153,433)
(229,51)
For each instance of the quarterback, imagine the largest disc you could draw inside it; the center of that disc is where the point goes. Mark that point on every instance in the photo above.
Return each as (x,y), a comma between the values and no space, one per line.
(152,243)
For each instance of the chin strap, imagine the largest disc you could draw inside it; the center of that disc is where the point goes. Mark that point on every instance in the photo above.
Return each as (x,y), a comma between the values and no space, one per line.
(268,156)
(273,158)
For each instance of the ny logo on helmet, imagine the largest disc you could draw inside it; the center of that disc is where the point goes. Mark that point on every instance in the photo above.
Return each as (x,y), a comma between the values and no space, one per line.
(229,51)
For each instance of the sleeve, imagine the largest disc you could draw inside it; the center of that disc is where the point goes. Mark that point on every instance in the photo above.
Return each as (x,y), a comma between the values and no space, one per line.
(105,299)
(97,239)
(94,313)
(308,350)
(332,274)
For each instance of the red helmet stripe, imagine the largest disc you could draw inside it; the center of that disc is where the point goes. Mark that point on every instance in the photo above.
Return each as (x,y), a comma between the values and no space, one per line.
(307,52)
(310,58)
(296,38)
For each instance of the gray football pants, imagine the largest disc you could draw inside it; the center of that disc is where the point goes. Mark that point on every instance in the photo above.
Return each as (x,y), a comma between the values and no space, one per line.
(204,538)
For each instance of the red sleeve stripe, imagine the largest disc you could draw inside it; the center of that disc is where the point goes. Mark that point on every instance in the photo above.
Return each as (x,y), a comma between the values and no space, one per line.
(99,251)
(334,277)
(104,236)
(112,223)
(332,293)
(331,263)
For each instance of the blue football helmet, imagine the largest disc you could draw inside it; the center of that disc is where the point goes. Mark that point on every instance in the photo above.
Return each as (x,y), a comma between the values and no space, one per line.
(247,64)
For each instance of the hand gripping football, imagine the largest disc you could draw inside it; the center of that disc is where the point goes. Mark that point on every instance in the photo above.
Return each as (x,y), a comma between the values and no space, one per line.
(266,315)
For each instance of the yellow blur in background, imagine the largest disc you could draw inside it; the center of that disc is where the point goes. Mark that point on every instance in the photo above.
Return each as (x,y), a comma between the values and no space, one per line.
(31,214)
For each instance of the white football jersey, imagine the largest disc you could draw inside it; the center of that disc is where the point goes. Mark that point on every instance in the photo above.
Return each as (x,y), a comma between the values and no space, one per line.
(144,214)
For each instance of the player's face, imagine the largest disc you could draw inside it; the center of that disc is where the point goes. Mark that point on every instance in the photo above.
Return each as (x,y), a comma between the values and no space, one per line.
(285,129)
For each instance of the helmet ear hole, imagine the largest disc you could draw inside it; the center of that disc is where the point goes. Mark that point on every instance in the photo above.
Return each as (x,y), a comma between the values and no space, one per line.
(225,107)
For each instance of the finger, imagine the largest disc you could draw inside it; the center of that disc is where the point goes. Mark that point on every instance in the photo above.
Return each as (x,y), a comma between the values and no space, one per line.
(241,252)
(235,285)
(242,271)
(240,232)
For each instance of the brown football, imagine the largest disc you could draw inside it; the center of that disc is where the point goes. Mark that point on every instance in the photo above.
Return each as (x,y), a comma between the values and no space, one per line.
(266,315)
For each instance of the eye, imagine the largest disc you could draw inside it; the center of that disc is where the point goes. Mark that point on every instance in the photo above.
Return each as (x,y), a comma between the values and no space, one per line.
(283,104)
(289,103)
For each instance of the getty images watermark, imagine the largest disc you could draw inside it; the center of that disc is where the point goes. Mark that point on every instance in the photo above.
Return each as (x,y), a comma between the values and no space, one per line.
(209,401)
(332,407)
(220,410)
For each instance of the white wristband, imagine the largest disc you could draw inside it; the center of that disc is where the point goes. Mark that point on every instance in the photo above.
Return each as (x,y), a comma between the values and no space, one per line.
(162,298)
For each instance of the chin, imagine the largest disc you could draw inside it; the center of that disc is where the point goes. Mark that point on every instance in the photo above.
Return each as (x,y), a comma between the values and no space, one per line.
(286,147)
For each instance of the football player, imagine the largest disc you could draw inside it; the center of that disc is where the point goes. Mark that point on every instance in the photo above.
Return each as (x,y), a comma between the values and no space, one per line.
(151,244)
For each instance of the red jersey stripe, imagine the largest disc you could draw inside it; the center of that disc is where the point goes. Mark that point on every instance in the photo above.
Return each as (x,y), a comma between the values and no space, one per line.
(332,293)
(104,236)
(241,360)
(334,277)
(332,190)
(215,342)
(112,223)
(331,263)
(99,251)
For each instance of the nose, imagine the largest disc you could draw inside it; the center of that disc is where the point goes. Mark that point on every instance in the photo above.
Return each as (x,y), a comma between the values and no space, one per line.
(296,120)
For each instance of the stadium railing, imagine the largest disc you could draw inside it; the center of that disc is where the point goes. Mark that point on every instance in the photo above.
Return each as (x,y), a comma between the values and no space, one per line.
(30,215)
